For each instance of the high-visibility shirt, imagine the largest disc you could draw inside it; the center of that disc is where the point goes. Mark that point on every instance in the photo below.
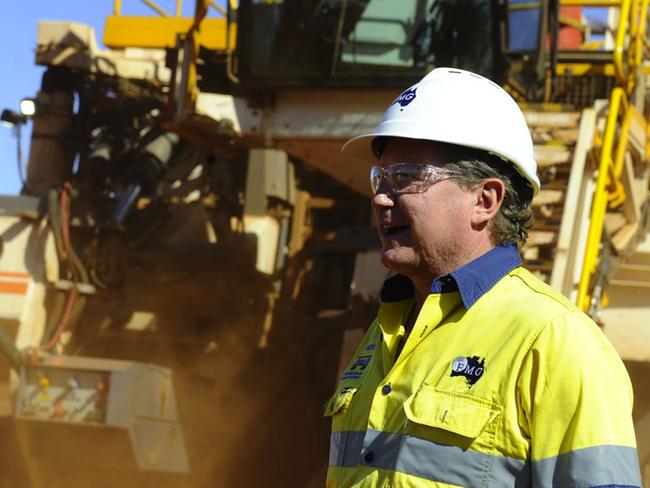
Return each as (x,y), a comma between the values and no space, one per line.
(501,382)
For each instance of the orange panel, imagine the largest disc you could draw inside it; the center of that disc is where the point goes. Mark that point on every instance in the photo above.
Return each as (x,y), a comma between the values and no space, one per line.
(11,274)
(13,287)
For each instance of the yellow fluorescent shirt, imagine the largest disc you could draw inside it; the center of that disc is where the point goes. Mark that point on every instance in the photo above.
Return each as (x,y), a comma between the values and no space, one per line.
(502,382)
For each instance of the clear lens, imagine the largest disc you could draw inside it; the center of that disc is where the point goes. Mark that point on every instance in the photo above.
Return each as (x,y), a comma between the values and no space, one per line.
(406,177)
(376,175)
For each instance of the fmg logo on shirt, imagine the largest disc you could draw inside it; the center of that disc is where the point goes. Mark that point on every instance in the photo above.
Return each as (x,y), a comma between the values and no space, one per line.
(472,368)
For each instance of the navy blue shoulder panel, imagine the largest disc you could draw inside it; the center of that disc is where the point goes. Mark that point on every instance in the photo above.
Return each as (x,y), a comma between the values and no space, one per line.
(477,277)
(472,280)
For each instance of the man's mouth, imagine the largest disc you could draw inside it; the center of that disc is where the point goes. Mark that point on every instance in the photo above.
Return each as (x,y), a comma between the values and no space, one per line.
(394,230)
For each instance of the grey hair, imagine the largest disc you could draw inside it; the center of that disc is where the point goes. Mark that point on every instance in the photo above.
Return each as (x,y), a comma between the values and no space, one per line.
(469,167)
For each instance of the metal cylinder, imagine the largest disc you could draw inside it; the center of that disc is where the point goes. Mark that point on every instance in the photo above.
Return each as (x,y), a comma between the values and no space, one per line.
(50,159)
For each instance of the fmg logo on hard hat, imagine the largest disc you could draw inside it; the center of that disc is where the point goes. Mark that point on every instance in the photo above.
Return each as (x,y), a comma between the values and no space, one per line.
(406,97)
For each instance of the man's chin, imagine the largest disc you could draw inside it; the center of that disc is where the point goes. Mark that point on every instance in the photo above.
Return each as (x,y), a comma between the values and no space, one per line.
(397,260)
(397,239)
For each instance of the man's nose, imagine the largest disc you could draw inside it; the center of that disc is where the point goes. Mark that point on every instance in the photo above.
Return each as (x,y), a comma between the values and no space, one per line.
(383,198)
(384,186)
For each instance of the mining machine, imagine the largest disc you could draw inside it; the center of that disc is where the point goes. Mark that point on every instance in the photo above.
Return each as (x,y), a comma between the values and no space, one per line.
(191,258)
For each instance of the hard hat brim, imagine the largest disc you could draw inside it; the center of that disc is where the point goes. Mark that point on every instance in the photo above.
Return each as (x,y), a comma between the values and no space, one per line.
(360,147)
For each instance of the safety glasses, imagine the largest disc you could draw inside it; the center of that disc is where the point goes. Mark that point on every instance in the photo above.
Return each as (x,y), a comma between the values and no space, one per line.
(405,178)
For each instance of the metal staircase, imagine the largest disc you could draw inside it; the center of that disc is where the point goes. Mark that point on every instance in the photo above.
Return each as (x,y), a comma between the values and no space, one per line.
(555,134)
(571,149)
(592,214)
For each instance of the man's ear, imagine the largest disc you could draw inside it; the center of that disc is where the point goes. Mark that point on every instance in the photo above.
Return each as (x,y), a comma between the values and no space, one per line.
(488,199)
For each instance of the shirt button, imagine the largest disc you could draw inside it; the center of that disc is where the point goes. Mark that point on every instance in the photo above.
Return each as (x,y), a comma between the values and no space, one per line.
(369,457)
(386,389)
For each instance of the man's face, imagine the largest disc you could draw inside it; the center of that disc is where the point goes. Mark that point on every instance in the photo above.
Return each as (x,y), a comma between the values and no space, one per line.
(422,234)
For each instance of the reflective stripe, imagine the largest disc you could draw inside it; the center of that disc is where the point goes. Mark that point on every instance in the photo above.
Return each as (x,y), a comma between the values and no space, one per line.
(594,466)
(425,459)
(591,466)
(345,448)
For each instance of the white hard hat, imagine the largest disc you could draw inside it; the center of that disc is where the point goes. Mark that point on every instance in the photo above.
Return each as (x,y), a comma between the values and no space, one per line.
(457,107)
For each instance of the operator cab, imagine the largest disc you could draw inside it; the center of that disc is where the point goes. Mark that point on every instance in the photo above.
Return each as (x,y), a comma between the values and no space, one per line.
(527,46)
(362,43)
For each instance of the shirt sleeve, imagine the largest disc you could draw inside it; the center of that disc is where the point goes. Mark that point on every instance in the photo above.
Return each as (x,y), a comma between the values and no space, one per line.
(575,406)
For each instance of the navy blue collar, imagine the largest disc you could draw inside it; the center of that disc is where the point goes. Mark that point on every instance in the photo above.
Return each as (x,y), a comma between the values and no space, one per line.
(472,280)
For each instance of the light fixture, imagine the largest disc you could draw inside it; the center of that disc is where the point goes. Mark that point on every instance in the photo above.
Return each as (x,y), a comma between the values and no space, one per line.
(28,107)
(11,118)
(15,120)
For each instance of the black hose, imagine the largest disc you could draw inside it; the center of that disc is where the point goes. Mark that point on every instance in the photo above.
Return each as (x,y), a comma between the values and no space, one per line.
(55,312)
(55,223)
(75,261)
(79,306)
(10,351)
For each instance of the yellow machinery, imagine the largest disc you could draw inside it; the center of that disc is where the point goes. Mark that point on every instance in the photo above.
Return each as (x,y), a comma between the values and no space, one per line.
(186,204)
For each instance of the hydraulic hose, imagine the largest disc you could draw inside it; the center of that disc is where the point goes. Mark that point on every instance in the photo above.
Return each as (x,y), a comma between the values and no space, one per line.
(10,351)
(59,206)
(55,222)
(79,271)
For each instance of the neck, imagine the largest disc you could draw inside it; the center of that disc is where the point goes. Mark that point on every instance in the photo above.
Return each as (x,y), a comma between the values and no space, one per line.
(422,288)
(422,281)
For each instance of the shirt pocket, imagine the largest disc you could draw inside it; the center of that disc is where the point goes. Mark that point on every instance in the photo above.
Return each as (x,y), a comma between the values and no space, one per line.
(452,418)
(450,438)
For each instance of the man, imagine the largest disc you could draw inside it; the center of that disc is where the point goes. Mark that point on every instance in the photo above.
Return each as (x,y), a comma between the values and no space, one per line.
(475,372)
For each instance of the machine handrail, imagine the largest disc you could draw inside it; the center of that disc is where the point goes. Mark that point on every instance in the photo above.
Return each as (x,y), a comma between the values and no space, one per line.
(610,191)
(178,12)
(628,9)
(600,200)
